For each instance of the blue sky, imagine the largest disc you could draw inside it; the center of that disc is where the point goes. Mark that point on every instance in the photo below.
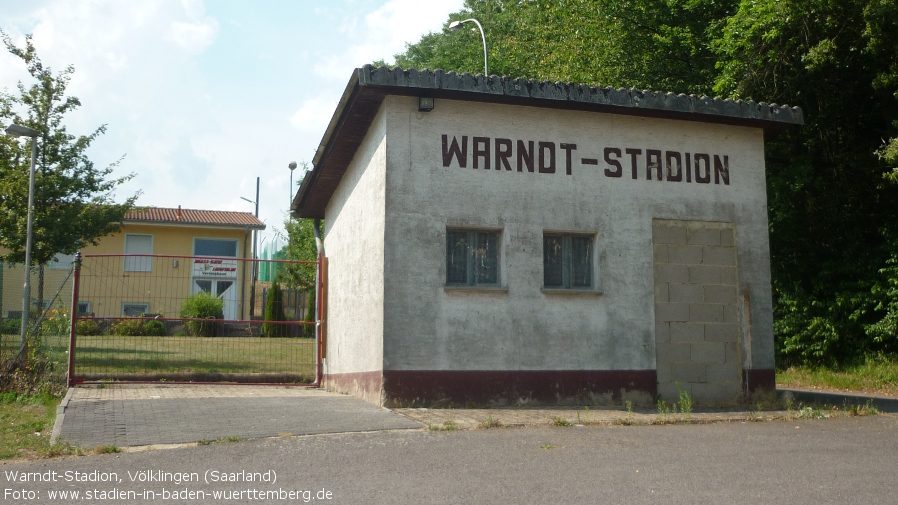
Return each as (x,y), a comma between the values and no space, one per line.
(202,97)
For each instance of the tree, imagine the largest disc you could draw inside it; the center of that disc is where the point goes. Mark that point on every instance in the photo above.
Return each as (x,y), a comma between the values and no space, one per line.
(657,44)
(274,311)
(833,212)
(73,200)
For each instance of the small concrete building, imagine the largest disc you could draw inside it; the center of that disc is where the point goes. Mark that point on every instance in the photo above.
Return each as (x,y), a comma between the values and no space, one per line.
(503,241)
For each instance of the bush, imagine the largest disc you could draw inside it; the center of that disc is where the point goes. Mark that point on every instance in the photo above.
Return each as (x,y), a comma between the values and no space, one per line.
(202,306)
(87,327)
(129,327)
(155,328)
(274,311)
(10,326)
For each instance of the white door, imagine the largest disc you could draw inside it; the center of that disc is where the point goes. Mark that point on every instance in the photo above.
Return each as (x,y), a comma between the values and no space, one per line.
(224,289)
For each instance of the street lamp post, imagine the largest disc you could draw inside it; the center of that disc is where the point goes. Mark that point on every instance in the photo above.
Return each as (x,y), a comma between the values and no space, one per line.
(292,167)
(15,130)
(252,290)
(456,25)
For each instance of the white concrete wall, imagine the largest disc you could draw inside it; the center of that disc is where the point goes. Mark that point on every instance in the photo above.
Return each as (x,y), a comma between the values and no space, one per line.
(354,244)
(427,327)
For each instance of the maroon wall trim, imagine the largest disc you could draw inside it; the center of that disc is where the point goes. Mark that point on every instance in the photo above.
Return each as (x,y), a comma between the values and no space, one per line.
(755,379)
(425,387)
(365,385)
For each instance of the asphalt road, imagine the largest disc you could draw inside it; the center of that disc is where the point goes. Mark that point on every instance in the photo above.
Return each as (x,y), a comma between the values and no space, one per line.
(846,460)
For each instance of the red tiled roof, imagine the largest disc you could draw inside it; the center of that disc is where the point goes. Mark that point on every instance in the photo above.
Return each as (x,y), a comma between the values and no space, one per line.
(197,217)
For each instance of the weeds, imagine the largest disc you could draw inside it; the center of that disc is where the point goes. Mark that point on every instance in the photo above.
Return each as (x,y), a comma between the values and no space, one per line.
(546,447)
(107,449)
(447,426)
(560,421)
(685,403)
(490,422)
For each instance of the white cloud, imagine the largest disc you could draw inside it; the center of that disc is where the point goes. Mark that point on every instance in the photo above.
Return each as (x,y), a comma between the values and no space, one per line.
(384,33)
(314,114)
(194,37)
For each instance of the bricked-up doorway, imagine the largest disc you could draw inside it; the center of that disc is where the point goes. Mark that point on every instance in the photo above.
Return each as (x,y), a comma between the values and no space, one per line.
(697,330)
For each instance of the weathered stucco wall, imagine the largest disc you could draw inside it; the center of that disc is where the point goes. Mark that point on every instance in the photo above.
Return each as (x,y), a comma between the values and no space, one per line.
(354,243)
(428,327)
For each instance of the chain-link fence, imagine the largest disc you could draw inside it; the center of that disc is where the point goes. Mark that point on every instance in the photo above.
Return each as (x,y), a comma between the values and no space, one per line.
(190,318)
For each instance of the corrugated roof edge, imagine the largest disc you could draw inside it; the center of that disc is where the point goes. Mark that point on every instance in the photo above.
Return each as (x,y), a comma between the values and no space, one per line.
(582,93)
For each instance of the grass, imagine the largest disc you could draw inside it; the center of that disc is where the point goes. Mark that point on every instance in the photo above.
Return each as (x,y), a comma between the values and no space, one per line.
(25,426)
(447,426)
(112,355)
(877,374)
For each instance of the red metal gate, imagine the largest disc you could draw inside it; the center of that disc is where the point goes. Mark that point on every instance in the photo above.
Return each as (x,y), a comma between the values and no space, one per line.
(193,319)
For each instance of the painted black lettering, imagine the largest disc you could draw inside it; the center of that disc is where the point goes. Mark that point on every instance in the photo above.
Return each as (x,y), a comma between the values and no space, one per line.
(633,154)
(671,175)
(688,167)
(503,152)
(482,150)
(567,160)
(652,160)
(699,178)
(547,166)
(619,169)
(589,161)
(722,170)
(525,155)
(461,154)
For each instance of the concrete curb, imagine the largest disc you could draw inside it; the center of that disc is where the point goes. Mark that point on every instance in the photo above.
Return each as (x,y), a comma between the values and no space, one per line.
(60,416)
(882,403)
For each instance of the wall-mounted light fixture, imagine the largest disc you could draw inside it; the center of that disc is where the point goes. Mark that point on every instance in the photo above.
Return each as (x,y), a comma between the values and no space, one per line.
(425,104)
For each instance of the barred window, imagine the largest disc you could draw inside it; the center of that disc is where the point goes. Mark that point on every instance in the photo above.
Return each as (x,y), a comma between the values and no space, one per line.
(567,261)
(472,257)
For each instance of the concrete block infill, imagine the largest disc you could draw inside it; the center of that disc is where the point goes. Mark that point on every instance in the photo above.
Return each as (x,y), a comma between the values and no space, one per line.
(704,236)
(688,293)
(712,352)
(671,312)
(720,294)
(686,254)
(712,255)
(686,332)
(705,274)
(706,312)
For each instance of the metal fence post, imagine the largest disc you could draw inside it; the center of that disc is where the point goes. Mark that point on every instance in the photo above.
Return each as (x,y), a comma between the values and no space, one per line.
(76,266)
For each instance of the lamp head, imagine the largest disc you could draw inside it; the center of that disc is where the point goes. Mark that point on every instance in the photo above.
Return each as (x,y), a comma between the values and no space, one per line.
(455,25)
(15,130)
(292,166)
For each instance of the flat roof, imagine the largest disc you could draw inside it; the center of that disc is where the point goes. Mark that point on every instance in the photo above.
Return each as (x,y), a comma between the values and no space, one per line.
(369,85)
(193,217)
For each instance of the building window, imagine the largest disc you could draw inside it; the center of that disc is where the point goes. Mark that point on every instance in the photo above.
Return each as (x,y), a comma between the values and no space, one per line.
(138,245)
(84,309)
(135,309)
(472,257)
(567,261)
(62,262)
(215,247)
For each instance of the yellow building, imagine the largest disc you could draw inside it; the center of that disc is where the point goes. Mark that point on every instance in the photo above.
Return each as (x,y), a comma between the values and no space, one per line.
(115,285)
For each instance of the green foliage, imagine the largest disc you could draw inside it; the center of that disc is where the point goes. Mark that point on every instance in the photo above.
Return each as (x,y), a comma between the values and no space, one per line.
(10,326)
(300,247)
(308,330)
(73,201)
(274,311)
(87,327)
(128,327)
(658,44)
(832,213)
(203,306)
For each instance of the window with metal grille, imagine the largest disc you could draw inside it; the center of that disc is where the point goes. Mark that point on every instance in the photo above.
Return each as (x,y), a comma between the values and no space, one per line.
(83,308)
(472,257)
(567,261)
(135,309)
